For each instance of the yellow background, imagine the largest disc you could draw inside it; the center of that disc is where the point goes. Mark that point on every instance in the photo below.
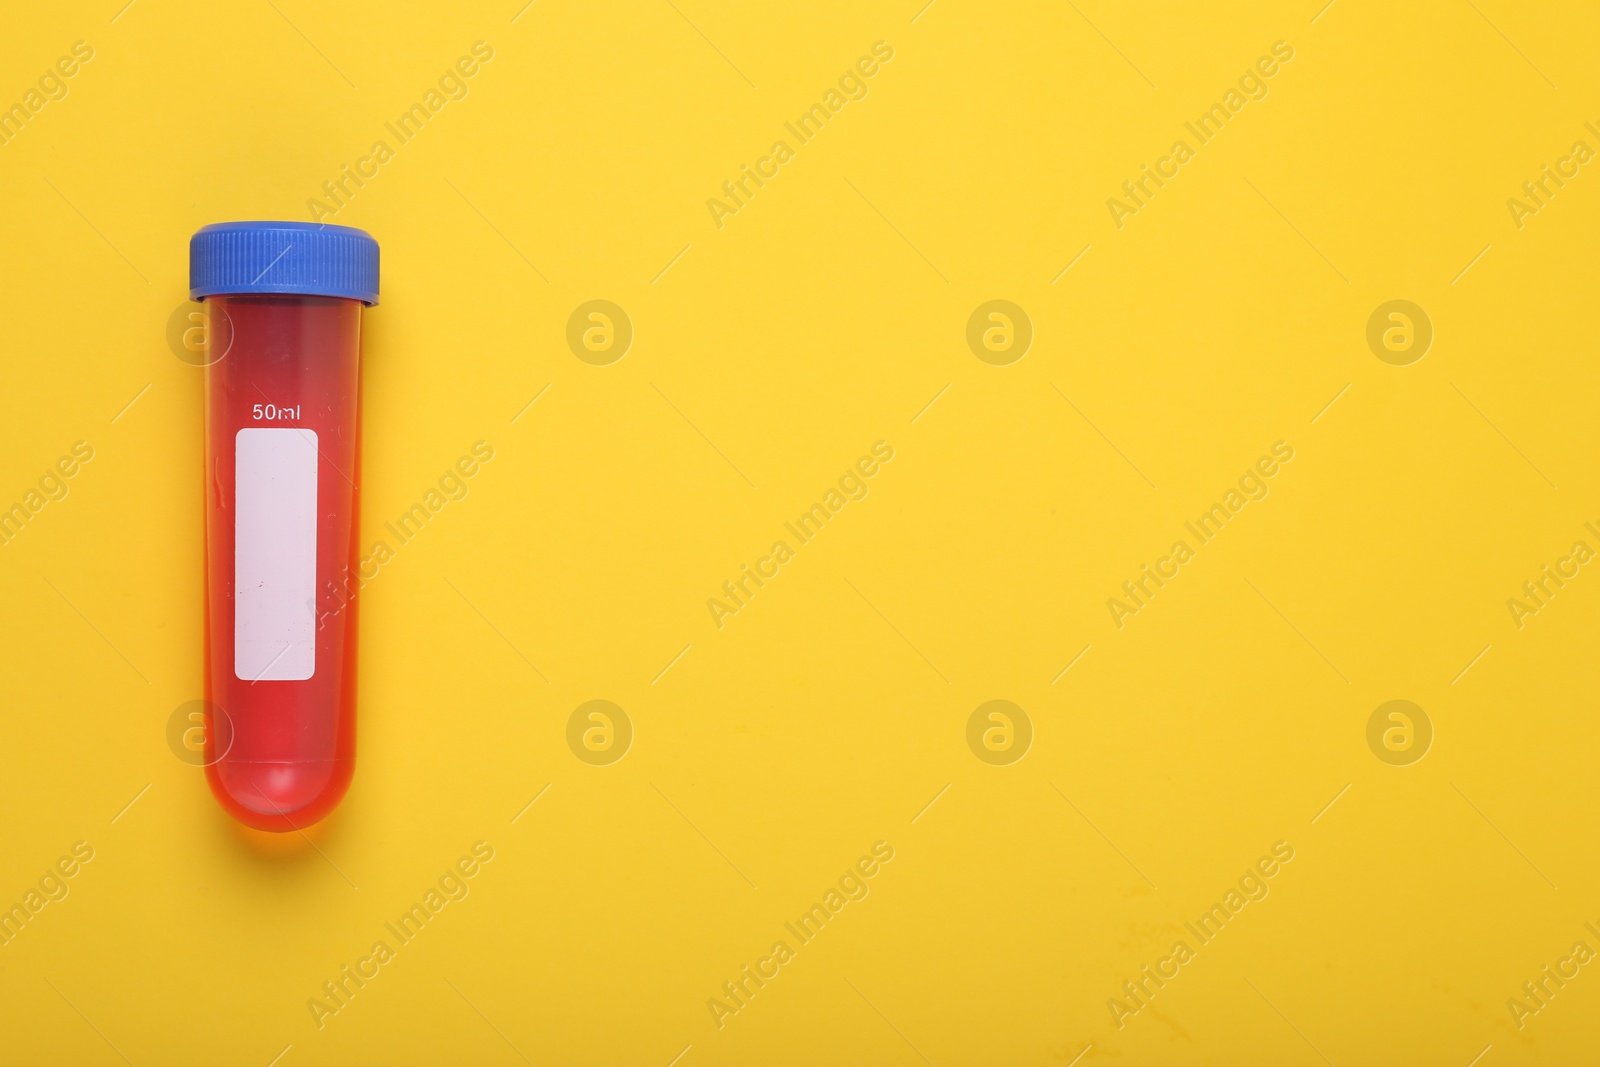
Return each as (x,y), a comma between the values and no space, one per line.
(823,317)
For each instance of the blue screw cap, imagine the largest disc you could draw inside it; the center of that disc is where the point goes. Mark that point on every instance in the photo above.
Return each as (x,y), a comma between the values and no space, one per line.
(303,258)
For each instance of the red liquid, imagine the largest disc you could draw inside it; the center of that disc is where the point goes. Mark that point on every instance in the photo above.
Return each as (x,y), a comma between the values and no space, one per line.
(280,753)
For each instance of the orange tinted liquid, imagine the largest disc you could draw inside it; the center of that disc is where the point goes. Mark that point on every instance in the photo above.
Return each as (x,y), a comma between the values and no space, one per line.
(280,753)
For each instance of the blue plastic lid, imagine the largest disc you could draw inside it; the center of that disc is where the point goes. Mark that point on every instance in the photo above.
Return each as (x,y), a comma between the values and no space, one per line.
(304,258)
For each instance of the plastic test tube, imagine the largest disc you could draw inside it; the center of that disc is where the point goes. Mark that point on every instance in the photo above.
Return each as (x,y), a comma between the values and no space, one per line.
(282,466)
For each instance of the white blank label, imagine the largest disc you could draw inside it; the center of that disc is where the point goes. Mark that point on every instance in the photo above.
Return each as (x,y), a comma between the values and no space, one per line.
(275,555)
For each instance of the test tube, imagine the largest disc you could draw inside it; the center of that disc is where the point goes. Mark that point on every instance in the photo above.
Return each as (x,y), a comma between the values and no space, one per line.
(282,470)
